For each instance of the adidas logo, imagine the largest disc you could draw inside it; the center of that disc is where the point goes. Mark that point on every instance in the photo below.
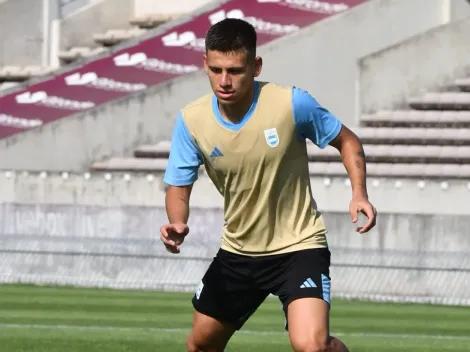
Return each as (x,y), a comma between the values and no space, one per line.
(308,284)
(216,153)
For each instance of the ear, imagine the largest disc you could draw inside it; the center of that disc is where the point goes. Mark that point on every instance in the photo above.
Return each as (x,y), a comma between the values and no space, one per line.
(258,66)
(205,63)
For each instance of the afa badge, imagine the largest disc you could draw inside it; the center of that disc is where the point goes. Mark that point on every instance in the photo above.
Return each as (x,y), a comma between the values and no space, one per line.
(272,137)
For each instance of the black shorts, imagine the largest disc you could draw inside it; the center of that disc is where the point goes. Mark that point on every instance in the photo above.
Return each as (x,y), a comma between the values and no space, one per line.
(234,286)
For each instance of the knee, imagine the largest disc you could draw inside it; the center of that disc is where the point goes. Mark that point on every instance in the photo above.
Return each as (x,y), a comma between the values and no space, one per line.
(311,345)
(194,346)
(319,344)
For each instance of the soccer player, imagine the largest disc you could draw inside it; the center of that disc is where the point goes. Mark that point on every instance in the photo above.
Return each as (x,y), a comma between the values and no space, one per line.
(251,138)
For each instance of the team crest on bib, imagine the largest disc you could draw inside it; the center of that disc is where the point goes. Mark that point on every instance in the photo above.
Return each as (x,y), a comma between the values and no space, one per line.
(272,137)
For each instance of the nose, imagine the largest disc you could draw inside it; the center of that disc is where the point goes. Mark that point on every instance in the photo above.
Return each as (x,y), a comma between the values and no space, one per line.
(225,80)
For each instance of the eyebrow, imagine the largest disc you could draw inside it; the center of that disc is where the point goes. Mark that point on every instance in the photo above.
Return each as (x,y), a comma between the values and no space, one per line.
(228,68)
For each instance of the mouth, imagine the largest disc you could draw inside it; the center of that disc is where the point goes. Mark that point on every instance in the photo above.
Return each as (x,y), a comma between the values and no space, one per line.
(225,95)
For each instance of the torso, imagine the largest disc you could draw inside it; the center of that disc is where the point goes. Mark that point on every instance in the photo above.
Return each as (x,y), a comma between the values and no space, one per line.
(262,174)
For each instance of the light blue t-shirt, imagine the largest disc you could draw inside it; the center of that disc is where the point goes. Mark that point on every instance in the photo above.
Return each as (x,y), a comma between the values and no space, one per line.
(312,122)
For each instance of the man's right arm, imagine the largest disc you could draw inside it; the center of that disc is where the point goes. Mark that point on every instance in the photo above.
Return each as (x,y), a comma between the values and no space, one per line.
(181,172)
(177,204)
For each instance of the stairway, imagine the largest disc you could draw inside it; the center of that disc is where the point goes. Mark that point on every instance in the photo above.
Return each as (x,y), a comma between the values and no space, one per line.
(13,75)
(429,139)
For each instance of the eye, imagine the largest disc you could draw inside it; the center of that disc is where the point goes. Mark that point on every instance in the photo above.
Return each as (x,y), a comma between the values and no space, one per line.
(235,71)
(216,70)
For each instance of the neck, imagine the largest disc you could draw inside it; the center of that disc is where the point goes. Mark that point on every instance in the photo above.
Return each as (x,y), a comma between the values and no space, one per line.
(235,112)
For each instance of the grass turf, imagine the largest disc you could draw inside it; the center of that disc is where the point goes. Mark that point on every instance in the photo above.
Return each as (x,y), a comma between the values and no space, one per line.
(54,319)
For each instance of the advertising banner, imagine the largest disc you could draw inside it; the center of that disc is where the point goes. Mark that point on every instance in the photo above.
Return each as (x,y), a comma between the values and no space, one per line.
(176,52)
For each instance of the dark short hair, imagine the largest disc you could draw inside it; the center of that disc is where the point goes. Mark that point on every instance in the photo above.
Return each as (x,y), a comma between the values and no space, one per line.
(232,34)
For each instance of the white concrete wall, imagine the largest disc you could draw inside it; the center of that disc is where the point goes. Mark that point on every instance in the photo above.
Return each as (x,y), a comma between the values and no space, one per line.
(390,76)
(29,34)
(21,32)
(76,188)
(407,257)
(458,9)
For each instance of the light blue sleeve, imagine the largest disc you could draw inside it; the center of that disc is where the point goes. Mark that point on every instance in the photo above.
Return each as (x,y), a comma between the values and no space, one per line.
(313,121)
(185,157)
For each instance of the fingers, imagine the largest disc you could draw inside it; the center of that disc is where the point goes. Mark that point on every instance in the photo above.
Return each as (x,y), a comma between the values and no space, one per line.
(173,249)
(371,214)
(167,241)
(167,236)
(353,212)
(180,228)
(170,245)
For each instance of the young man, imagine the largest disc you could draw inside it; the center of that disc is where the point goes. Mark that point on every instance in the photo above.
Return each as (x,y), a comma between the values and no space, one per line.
(251,138)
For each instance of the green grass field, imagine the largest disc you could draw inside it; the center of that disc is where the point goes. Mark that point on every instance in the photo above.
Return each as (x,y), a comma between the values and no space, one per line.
(49,319)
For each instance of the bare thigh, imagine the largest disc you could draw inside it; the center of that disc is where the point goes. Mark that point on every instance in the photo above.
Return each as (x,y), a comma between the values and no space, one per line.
(208,334)
(308,320)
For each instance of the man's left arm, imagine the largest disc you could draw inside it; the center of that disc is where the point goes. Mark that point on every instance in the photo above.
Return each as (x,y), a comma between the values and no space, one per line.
(354,161)
(316,123)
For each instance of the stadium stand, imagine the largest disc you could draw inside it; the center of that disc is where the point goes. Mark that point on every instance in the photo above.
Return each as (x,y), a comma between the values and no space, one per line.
(140,25)
(12,75)
(139,66)
(161,55)
(82,151)
(404,143)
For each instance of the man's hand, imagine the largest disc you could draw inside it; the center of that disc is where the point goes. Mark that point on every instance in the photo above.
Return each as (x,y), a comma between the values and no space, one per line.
(360,204)
(172,236)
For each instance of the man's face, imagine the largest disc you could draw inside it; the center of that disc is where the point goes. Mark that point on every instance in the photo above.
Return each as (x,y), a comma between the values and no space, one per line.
(231,75)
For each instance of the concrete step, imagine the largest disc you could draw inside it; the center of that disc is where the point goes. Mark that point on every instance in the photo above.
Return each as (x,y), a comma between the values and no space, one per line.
(399,154)
(369,135)
(416,118)
(115,36)
(320,168)
(8,85)
(441,101)
(413,136)
(378,153)
(463,84)
(159,150)
(22,73)
(77,53)
(152,20)
(131,164)
(440,171)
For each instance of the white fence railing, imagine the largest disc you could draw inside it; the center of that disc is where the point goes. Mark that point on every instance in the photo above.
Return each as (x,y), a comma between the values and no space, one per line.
(119,247)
